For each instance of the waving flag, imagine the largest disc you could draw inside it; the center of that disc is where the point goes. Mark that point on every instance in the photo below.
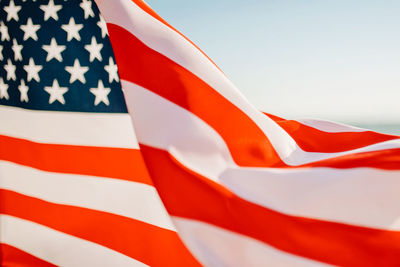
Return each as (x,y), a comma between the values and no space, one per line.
(240,187)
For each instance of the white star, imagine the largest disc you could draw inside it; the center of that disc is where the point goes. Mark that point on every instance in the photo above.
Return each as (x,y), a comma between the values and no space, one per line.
(77,72)
(50,10)
(3,89)
(56,92)
(23,89)
(32,70)
(10,68)
(103,26)
(86,5)
(53,50)
(72,30)
(1,52)
(101,94)
(112,70)
(12,11)
(94,50)
(30,30)
(17,50)
(4,32)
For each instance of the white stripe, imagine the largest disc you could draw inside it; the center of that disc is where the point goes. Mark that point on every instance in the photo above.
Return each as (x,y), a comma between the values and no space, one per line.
(58,248)
(70,128)
(329,126)
(167,126)
(198,146)
(359,196)
(214,246)
(130,199)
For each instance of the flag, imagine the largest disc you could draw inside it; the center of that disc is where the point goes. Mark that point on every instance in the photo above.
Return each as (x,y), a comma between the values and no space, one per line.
(239,187)
(242,187)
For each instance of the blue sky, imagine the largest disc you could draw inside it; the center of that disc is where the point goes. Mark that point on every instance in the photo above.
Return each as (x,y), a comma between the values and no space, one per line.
(337,60)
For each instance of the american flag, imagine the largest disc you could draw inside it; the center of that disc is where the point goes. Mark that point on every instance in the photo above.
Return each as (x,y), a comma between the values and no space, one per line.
(215,182)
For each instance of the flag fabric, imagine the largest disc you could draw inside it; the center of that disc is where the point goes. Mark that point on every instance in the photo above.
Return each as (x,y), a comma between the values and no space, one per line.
(238,187)
(245,188)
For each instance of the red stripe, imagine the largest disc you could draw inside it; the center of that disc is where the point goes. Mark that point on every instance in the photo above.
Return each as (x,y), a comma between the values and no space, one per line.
(151,12)
(189,195)
(147,243)
(120,163)
(141,65)
(313,140)
(388,159)
(13,257)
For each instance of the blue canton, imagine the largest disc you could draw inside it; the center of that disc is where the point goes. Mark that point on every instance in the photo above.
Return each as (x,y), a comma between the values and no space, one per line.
(56,55)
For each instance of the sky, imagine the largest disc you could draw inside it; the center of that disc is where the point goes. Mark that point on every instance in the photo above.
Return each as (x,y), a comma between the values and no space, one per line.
(336,60)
